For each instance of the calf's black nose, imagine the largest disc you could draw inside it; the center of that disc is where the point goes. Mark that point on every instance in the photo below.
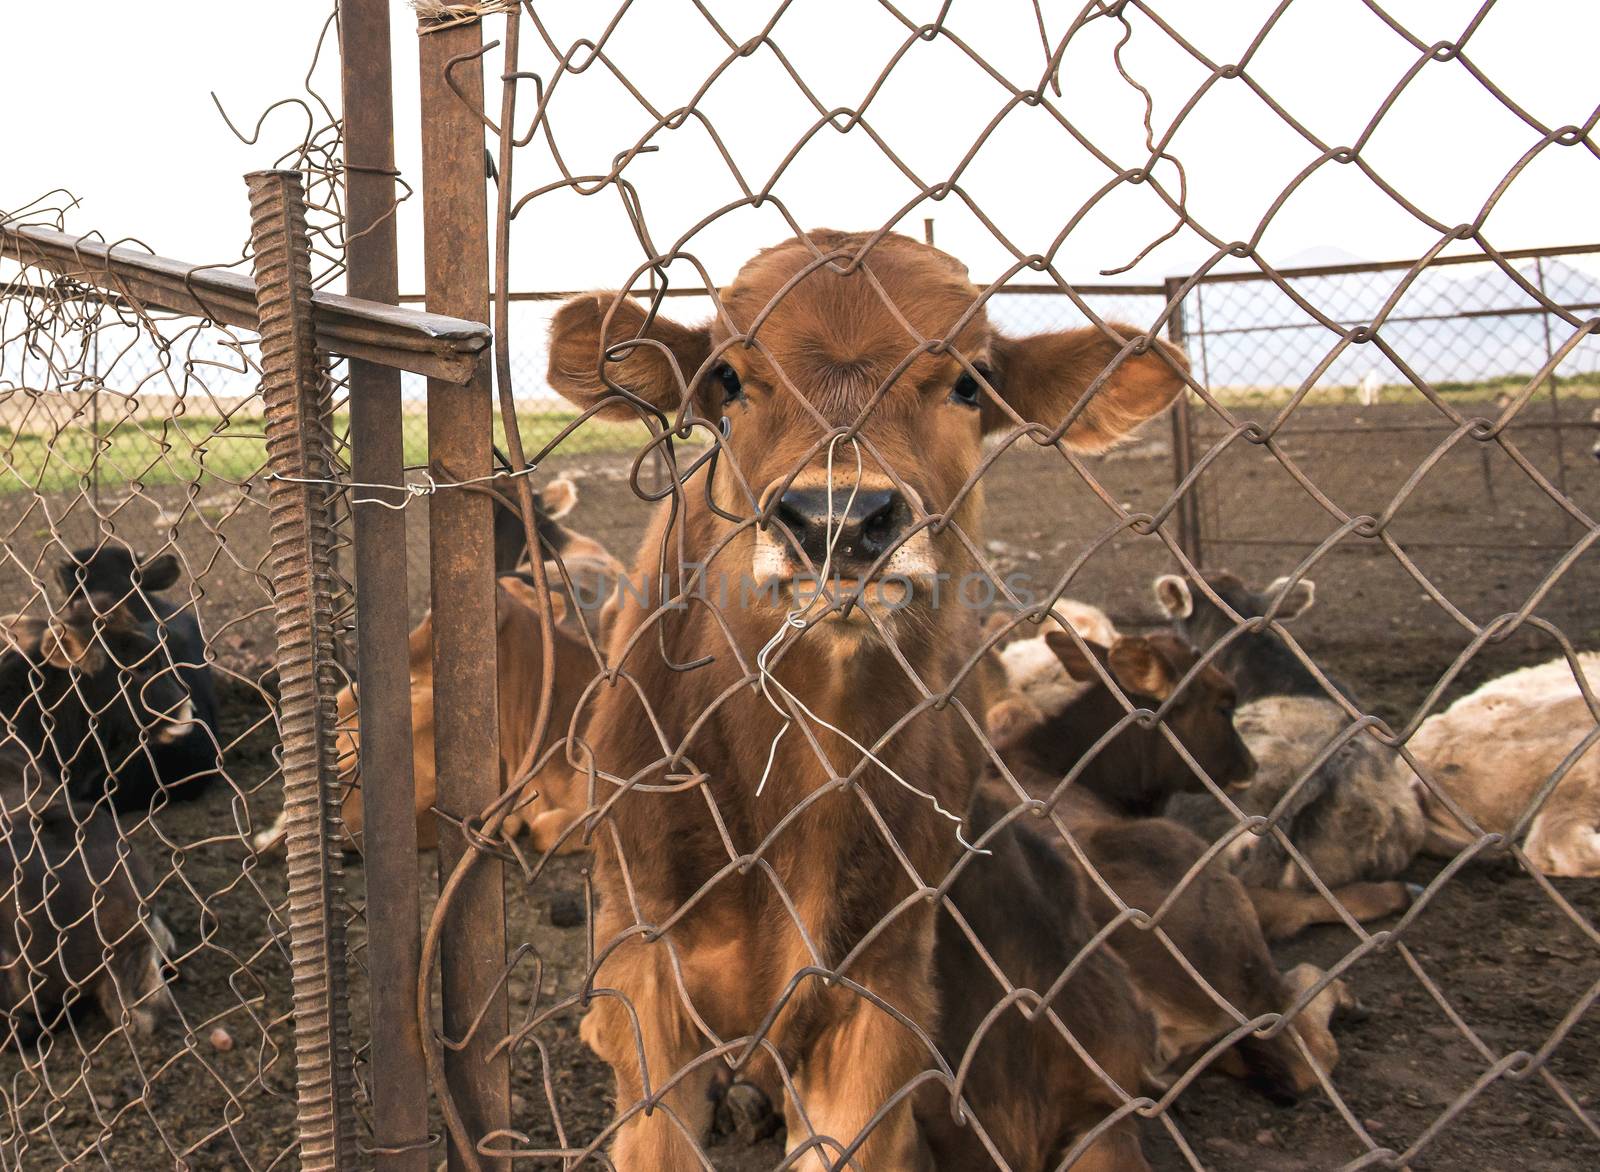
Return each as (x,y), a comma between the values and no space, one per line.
(861,528)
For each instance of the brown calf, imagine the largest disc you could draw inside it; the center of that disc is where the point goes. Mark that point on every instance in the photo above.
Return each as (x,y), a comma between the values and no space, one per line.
(519,646)
(751,858)
(1024,908)
(519,652)
(1143,859)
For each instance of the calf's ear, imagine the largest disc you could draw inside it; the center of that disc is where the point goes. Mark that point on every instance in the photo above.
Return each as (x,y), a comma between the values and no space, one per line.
(1140,668)
(1008,719)
(653,364)
(1173,596)
(159,573)
(1297,596)
(1043,377)
(1079,664)
(558,498)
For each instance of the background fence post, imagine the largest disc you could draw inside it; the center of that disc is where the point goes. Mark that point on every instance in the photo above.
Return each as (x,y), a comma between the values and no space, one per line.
(397,1073)
(1188,511)
(295,403)
(461,561)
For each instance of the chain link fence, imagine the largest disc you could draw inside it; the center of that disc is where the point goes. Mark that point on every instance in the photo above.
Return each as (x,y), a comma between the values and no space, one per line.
(148,986)
(767,819)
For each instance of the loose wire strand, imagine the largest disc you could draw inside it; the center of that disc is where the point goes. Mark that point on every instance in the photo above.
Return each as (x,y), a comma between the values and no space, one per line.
(798,620)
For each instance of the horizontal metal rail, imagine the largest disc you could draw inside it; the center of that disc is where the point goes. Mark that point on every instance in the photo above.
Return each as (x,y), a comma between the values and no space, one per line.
(429,344)
(1363,266)
(1035,287)
(1441,425)
(1395,320)
(1136,290)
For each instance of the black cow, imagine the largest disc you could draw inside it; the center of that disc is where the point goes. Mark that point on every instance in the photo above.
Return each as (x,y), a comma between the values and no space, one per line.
(91,696)
(74,922)
(550,504)
(1259,662)
(115,572)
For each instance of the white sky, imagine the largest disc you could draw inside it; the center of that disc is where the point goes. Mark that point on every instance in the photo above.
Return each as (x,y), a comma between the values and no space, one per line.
(110,100)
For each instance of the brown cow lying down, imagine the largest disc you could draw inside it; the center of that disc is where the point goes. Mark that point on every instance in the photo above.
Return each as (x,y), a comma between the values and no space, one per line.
(1142,859)
(752,860)
(1025,909)
(519,659)
(519,651)
(1493,751)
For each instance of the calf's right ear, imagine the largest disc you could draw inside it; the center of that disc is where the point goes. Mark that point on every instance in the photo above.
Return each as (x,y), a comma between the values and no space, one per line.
(1077,662)
(653,364)
(1172,593)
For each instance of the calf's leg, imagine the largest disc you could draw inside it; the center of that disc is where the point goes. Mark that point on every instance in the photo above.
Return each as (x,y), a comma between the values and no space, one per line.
(668,1136)
(855,1066)
(1284,913)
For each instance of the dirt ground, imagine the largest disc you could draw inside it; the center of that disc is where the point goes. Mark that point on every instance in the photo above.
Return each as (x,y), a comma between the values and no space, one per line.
(1508,961)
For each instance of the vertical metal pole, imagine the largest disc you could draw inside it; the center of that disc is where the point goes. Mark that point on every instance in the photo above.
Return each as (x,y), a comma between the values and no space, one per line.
(927,230)
(460,432)
(1183,437)
(397,1072)
(295,396)
(95,383)
(1559,427)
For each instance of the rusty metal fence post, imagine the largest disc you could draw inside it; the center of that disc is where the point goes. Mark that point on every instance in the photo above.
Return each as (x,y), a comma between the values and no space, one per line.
(295,401)
(1188,510)
(470,937)
(397,1071)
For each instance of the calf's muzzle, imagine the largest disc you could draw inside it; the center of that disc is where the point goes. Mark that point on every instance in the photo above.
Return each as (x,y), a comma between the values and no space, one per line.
(861,527)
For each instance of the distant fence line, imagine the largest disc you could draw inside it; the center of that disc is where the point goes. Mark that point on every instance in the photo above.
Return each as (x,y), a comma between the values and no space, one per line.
(1246,334)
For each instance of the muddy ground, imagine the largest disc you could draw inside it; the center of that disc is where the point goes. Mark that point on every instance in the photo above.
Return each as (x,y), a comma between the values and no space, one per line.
(1507,960)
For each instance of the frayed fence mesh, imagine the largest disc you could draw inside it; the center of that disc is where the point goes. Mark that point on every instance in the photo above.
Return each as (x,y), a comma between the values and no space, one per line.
(955,719)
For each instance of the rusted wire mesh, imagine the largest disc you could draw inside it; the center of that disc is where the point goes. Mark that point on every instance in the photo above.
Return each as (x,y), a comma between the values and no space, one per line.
(795,883)
(775,886)
(148,980)
(154,964)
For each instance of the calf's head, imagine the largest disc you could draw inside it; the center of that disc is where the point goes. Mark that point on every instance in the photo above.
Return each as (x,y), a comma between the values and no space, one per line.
(90,686)
(115,572)
(551,504)
(1150,670)
(852,386)
(1202,622)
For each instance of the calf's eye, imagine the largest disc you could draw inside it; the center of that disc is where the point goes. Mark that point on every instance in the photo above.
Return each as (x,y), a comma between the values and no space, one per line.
(967,391)
(727,378)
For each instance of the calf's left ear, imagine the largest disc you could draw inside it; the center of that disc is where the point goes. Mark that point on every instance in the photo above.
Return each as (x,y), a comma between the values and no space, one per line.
(159,573)
(1297,596)
(1043,377)
(1074,659)
(67,643)
(558,498)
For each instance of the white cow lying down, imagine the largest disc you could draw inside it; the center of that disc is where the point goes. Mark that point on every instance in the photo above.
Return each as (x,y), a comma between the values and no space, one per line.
(1493,750)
